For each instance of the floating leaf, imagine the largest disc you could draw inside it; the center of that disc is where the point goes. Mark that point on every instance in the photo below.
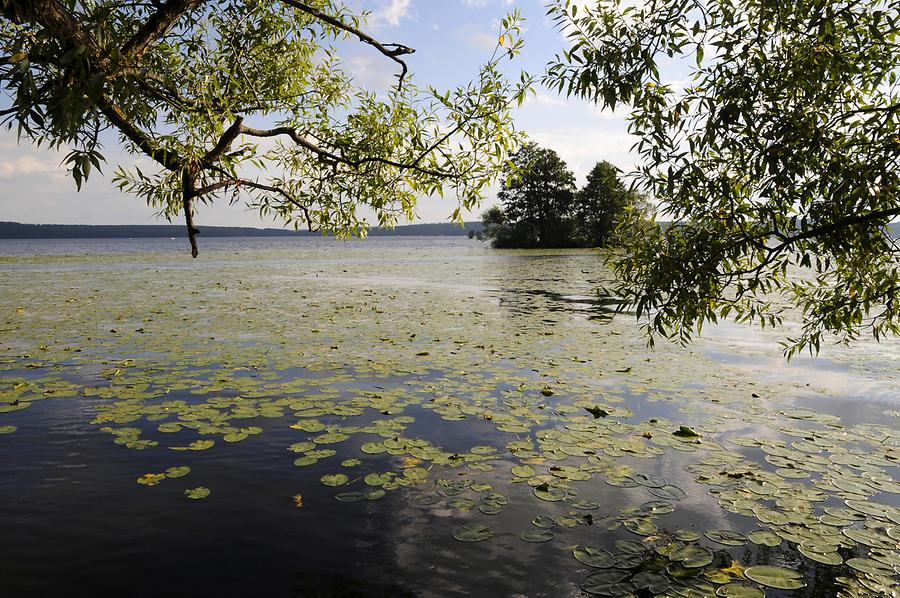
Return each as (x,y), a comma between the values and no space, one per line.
(472,533)
(537,536)
(337,479)
(151,479)
(739,590)
(726,537)
(593,557)
(178,472)
(197,493)
(775,577)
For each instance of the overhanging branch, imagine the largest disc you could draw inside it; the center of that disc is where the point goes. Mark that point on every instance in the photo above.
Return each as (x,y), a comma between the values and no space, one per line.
(392,51)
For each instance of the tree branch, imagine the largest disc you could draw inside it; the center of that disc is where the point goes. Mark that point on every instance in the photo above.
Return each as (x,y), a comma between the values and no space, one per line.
(331,156)
(167,158)
(225,141)
(239,182)
(392,51)
(156,26)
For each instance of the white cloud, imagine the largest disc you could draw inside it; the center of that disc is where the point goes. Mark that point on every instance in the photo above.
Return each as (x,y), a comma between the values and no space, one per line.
(545,99)
(391,13)
(22,166)
(477,37)
(373,73)
(581,148)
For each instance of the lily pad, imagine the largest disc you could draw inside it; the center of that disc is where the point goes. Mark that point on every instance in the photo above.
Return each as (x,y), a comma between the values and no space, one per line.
(472,533)
(593,557)
(537,536)
(337,479)
(198,493)
(775,577)
(726,537)
(178,472)
(739,590)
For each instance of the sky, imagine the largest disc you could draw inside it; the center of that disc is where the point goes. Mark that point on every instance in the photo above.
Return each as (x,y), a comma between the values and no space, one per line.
(451,38)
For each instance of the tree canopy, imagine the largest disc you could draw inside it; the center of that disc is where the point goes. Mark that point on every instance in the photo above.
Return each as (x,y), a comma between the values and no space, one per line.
(776,160)
(601,205)
(542,208)
(246,99)
(537,195)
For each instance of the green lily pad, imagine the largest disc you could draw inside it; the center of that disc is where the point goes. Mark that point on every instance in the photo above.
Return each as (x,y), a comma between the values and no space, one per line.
(523,471)
(337,479)
(775,577)
(668,492)
(827,558)
(764,538)
(198,493)
(739,590)
(472,533)
(201,445)
(537,536)
(641,526)
(593,557)
(378,479)
(870,566)
(550,493)
(656,583)
(178,472)
(426,500)
(151,479)
(350,496)
(726,537)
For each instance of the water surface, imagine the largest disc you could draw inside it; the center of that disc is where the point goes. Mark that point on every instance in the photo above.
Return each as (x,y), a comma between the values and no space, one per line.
(420,385)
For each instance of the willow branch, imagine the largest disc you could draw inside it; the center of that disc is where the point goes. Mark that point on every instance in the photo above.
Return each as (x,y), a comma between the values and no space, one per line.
(156,27)
(324,154)
(392,51)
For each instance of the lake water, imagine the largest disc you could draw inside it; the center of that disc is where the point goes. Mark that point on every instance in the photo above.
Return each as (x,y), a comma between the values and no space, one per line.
(418,417)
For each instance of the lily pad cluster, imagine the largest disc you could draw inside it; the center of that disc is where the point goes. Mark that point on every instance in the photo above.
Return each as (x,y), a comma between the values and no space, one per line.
(465,391)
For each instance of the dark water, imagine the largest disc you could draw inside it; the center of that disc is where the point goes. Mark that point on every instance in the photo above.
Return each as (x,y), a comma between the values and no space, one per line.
(415,319)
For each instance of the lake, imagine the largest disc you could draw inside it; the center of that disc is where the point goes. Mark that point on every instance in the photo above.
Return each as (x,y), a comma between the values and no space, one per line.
(418,417)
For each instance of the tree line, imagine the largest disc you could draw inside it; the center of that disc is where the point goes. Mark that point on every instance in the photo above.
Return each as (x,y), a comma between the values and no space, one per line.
(542,207)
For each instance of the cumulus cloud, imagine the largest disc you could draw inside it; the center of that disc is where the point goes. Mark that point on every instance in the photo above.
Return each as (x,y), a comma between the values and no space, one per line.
(372,72)
(477,36)
(582,148)
(23,166)
(391,13)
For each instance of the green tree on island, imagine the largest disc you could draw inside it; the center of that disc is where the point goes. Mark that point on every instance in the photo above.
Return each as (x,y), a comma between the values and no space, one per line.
(777,162)
(541,207)
(601,204)
(537,197)
(197,87)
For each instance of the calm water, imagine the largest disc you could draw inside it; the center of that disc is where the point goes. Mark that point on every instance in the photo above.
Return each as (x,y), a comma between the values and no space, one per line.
(420,385)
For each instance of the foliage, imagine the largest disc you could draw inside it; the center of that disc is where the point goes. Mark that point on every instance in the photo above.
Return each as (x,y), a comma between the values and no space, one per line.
(247,99)
(776,162)
(600,205)
(537,196)
(541,207)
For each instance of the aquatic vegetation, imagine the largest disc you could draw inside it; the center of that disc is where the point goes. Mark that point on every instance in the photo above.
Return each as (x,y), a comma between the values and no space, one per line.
(471,404)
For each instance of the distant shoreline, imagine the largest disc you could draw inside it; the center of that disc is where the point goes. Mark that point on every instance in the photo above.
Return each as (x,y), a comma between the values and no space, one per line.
(17,230)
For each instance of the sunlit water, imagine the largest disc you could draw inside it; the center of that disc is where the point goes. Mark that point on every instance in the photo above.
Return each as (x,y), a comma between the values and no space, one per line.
(466,379)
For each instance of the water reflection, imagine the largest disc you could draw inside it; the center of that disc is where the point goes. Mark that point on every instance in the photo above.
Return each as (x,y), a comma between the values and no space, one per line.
(448,345)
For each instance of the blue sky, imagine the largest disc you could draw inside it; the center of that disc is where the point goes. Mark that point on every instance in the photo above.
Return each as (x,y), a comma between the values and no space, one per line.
(451,37)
